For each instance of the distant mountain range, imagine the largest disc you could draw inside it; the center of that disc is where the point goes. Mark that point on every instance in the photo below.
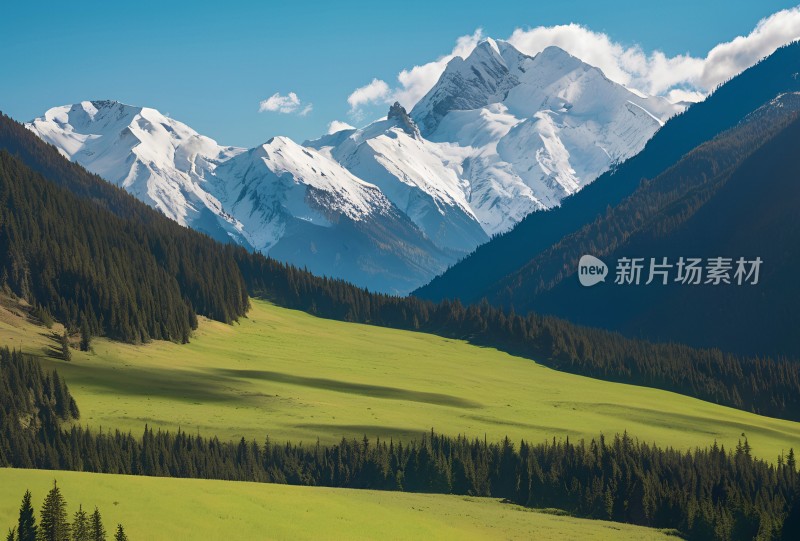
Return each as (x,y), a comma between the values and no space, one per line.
(474,276)
(719,180)
(393,204)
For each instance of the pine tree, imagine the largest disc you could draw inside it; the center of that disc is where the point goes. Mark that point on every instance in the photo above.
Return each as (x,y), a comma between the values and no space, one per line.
(80,526)
(11,536)
(66,353)
(26,528)
(86,336)
(120,535)
(97,530)
(54,525)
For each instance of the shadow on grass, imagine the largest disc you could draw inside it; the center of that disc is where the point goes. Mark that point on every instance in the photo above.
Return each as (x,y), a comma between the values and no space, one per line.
(374,391)
(53,349)
(168,383)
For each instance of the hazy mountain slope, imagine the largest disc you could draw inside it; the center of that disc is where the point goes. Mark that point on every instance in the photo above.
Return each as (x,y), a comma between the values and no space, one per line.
(472,278)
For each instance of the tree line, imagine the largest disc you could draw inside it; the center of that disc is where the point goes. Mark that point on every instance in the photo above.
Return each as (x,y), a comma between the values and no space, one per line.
(706,494)
(93,257)
(54,524)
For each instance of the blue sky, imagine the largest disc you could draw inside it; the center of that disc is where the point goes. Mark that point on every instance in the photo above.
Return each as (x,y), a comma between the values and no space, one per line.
(210,64)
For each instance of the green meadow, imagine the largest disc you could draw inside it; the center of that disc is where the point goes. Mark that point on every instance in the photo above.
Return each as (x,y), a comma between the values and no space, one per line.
(152,508)
(292,376)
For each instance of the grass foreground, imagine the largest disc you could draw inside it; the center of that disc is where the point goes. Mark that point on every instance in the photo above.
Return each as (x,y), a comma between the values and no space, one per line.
(295,377)
(154,508)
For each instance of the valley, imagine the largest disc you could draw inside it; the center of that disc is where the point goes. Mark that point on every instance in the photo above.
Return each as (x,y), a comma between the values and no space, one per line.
(295,377)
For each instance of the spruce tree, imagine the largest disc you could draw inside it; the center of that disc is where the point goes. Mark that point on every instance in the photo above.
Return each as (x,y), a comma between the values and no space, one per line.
(120,535)
(66,353)
(80,526)
(26,527)
(10,536)
(86,336)
(54,525)
(97,530)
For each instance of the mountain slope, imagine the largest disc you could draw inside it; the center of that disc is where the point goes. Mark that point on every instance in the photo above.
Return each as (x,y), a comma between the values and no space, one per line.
(303,208)
(108,259)
(159,160)
(501,134)
(412,173)
(735,196)
(279,198)
(529,131)
(472,278)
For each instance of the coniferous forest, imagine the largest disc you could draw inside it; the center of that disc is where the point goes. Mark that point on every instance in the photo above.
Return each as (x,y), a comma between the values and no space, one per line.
(54,523)
(709,494)
(91,256)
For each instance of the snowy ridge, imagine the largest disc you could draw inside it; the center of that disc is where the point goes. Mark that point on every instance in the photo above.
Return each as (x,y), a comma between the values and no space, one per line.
(389,205)
(540,130)
(159,160)
(412,173)
(269,184)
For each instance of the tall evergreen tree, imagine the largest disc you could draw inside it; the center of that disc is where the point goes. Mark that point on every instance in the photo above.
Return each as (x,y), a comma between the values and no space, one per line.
(86,336)
(80,526)
(120,535)
(96,528)
(26,527)
(53,516)
(66,353)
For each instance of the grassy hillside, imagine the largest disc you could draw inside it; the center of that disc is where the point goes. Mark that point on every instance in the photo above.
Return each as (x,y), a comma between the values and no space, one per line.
(146,506)
(296,377)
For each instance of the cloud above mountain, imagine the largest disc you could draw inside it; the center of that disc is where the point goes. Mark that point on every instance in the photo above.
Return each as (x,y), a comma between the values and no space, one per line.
(679,77)
(287,104)
(655,72)
(338,125)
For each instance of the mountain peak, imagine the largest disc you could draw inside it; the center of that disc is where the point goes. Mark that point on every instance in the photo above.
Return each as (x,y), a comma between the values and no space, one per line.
(556,57)
(398,113)
(488,44)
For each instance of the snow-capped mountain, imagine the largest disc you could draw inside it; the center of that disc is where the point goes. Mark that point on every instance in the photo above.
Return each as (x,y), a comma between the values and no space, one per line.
(159,160)
(285,200)
(304,208)
(390,205)
(412,173)
(528,131)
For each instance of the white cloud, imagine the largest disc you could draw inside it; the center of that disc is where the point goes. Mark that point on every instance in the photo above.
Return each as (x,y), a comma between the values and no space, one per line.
(679,77)
(338,125)
(374,92)
(414,82)
(287,104)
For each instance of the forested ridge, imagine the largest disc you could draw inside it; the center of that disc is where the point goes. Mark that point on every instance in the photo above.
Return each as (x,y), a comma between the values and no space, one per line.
(709,494)
(736,195)
(91,255)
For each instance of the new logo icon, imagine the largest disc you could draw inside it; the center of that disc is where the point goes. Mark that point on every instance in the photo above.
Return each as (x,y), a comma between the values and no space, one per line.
(591,271)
